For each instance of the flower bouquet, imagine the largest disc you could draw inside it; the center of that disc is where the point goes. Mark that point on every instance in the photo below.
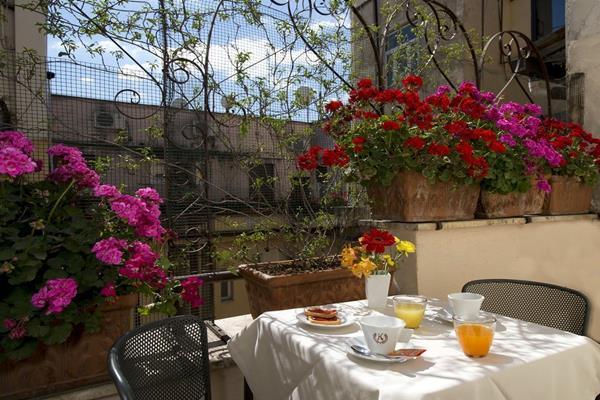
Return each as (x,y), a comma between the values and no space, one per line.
(370,260)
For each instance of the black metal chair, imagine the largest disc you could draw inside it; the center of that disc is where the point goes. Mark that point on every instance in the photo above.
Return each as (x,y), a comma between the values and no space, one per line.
(162,360)
(541,303)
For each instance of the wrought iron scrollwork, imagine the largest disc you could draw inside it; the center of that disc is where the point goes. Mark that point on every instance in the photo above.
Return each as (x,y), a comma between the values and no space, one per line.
(517,52)
(440,26)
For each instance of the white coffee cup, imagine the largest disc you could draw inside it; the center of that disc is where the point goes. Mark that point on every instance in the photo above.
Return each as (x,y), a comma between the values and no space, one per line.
(381,332)
(465,305)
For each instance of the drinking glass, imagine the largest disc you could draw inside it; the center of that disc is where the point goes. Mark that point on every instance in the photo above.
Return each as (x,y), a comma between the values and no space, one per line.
(475,334)
(410,309)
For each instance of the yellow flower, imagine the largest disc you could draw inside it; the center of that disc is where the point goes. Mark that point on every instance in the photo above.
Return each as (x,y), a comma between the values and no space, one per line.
(348,257)
(388,259)
(405,247)
(363,268)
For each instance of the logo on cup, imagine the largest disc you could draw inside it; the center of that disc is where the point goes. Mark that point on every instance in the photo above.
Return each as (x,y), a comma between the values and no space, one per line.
(380,338)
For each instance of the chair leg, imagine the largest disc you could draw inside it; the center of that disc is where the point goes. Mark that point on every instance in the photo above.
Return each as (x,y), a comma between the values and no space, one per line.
(247,392)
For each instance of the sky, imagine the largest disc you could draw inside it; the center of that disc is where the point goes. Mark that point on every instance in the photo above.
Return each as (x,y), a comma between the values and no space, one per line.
(265,49)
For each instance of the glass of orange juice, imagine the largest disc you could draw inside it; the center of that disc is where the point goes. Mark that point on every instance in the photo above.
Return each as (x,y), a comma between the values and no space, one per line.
(476,334)
(410,308)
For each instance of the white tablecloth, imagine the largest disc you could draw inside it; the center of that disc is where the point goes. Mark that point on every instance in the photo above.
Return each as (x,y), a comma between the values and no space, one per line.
(282,359)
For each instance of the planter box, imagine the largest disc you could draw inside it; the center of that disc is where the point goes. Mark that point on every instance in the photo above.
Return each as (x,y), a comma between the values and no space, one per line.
(494,205)
(568,196)
(279,292)
(411,198)
(80,361)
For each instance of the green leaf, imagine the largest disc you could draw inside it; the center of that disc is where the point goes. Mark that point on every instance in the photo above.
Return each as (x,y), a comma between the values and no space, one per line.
(7,253)
(36,329)
(25,273)
(58,334)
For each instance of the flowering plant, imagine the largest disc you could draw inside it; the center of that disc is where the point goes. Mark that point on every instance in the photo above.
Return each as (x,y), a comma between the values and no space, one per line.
(60,262)
(579,150)
(370,258)
(465,137)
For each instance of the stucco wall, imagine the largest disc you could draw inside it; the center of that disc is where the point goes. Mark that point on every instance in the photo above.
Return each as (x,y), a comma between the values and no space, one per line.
(561,250)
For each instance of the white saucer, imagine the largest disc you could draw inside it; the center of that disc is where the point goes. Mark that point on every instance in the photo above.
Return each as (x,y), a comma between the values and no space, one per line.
(375,357)
(344,319)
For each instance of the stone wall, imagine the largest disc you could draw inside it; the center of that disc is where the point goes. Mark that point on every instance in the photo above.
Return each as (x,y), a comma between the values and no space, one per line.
(583,41)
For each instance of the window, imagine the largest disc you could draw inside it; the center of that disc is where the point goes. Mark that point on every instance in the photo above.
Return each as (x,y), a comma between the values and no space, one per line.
(548,16)
(226,291)
(262,183)
(105,119)
(399,60)
(301,192)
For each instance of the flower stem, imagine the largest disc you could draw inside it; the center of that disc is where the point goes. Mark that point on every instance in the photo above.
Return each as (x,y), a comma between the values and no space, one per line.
(59,200)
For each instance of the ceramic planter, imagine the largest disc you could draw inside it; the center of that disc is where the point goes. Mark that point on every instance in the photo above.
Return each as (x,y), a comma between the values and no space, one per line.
(377,289)
(494,205)
(411,198)
(279,292)
(568,196)
(78,362)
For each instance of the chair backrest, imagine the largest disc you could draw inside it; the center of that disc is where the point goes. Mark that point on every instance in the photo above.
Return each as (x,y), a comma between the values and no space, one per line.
(542,303)
(162,360)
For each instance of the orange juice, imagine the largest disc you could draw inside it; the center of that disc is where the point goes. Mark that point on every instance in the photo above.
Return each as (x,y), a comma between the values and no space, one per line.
(411,313)
(475,339)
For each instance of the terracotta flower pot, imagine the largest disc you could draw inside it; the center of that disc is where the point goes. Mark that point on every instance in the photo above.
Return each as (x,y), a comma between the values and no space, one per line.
(279,292)
(494,205)
(411,198)
(568,196)
(80,361)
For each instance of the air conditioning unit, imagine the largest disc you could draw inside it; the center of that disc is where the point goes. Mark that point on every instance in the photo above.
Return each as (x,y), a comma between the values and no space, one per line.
(109,120)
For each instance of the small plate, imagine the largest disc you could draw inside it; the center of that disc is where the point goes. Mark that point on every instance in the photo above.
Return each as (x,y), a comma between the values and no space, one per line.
(344,319)
(378,358)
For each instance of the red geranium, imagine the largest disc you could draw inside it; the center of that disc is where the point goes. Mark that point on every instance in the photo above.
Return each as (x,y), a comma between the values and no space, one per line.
(497,147)
(415,142)
(438,149)
(478,168)
(333,106)
(309,160)
(336,156)
(358,143)
(412,82)
(456,128)
(376,240)
(365,83)
(390,125)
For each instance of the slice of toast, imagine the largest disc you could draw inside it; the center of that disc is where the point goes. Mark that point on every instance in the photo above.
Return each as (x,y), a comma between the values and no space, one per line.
(324,321)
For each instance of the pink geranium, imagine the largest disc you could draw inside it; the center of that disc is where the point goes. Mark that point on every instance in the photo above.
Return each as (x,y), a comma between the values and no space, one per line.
(9,323)
(109,250)
(17,140)
(72,166)
(56,295)
(191,291)
(109,191)
(143,216)
(18,332)
(13,162)
(149,195)
(108,290)
(141,266)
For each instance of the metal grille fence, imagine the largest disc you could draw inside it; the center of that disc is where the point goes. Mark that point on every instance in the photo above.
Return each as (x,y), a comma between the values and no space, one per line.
(223,167)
